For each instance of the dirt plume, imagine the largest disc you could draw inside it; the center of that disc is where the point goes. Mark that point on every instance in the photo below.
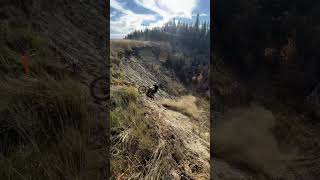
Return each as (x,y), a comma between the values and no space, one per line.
(245,139)
(185,104)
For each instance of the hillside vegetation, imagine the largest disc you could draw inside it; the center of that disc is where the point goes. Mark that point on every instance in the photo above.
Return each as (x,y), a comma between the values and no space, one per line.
(164,138)
(189,50)
(50,127)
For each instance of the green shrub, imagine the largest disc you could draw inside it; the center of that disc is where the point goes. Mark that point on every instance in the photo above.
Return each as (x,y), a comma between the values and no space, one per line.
(117,73)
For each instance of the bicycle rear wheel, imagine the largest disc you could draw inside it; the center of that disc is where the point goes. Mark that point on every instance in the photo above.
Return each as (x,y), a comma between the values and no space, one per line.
(142,89)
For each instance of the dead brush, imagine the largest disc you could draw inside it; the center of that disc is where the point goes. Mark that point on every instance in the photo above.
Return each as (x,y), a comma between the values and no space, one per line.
(156,167)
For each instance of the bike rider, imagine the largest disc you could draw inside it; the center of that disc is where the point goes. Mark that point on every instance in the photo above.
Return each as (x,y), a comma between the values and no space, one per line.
(152,91)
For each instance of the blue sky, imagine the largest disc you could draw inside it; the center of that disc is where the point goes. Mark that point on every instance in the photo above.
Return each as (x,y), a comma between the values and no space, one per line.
(129,15)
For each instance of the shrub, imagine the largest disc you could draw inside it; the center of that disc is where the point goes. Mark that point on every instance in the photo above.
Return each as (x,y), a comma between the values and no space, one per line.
(117,73)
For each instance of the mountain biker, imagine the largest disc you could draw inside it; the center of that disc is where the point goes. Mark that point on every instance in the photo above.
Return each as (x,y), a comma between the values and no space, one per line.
(152,91)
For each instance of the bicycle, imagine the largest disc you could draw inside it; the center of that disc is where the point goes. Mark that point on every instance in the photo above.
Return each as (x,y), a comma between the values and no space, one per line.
(144,90)
(99,88)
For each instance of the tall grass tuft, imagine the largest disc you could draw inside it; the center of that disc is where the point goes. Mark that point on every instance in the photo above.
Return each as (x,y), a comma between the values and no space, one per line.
(50,122)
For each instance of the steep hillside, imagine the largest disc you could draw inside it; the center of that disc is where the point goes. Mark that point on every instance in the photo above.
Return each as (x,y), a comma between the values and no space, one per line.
(77,31)
(50,126)
(164,138)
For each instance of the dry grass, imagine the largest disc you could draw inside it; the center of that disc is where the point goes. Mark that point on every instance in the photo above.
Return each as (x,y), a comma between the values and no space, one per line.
(50,122)
(124,43)
(116,45)
(132,140)
(127,44)
(46,120)
(185,105)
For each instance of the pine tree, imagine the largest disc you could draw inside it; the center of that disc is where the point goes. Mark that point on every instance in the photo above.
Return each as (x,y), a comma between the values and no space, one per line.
(204,28)
(197,22)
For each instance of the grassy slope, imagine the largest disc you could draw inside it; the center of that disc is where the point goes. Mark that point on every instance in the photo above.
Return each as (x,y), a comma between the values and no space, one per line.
(140,148)
(48,128)
(130,136)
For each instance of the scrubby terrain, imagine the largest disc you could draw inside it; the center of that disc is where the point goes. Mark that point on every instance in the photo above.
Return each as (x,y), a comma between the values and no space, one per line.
(164,138)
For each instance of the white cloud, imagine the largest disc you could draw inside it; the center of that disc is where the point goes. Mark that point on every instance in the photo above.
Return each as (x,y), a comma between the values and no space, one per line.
(128,22)
(165,9)
(169,9)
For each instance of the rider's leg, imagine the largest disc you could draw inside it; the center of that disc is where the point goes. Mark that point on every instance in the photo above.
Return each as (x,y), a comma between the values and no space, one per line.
(148,93)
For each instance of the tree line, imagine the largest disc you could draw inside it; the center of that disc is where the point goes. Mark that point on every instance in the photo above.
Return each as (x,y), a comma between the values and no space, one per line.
(190,52)
(193,35)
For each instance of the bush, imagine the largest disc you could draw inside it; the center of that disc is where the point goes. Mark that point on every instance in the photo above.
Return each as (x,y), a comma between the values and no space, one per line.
(117,73)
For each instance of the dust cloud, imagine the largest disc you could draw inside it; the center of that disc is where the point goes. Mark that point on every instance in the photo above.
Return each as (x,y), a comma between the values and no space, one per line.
(245,139)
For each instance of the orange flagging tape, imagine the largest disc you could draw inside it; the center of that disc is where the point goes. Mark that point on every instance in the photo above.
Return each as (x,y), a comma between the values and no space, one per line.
(25,64)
